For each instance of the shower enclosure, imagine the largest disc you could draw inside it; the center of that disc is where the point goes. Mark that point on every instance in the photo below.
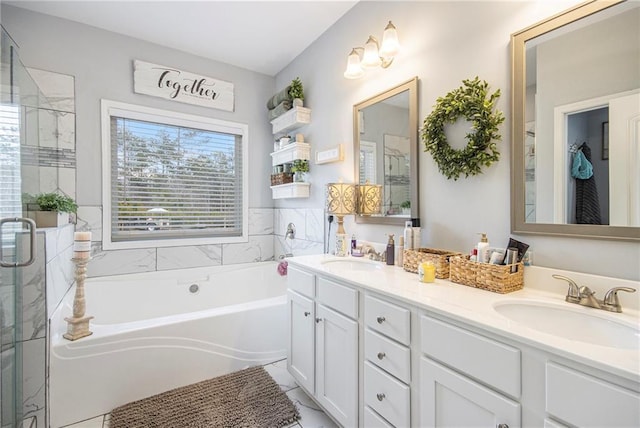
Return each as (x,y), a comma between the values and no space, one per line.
(19,128)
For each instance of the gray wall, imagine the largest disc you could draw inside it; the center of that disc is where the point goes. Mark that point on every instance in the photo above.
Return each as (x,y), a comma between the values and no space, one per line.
(442,43)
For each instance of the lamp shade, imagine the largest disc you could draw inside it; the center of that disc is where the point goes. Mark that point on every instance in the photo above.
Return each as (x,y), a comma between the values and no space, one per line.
(341,199)
(371,57)
(354,69)
(369,199)
(390,44)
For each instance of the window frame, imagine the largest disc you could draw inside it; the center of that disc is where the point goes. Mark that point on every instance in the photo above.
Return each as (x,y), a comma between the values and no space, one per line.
(111,108)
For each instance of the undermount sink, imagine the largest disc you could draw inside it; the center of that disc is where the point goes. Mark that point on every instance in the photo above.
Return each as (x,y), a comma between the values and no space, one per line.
(578,324)
(352,265)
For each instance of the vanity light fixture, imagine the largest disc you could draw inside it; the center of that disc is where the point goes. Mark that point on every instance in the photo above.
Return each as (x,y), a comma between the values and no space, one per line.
(373,54)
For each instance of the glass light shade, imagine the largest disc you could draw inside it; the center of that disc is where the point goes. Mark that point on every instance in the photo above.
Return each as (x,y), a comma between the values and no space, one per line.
(390,44)
(371,57)
(369,199)
(354,69)
(341,199)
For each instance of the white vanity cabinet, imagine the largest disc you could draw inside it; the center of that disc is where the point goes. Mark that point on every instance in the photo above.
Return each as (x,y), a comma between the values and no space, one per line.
(466,379)
(323,342)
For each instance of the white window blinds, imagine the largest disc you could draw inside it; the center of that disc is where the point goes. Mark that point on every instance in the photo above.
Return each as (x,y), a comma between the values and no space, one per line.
(173,181)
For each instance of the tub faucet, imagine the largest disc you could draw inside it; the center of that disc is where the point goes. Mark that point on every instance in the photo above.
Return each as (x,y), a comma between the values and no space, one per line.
(291,231)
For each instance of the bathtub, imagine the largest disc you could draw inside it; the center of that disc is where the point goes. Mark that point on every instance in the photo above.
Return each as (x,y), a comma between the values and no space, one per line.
(160,330)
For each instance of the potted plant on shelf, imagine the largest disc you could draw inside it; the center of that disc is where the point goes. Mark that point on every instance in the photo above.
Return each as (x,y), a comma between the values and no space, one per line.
(300,170)
(296,92)
(53,209)
(406,207)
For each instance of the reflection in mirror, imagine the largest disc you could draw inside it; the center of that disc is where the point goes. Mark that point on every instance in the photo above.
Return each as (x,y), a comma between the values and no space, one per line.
(576,123)
(385,143)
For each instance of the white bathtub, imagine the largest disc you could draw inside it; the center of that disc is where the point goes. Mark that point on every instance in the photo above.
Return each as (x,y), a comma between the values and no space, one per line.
(151,333)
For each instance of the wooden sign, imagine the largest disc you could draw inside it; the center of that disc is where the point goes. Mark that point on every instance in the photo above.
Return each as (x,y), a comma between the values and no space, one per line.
(178,85)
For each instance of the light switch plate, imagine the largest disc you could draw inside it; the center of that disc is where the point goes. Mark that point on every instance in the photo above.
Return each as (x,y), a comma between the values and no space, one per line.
(335,154)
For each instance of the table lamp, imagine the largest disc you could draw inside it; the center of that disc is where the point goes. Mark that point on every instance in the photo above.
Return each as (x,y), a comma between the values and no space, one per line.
(341,201)
(369,198)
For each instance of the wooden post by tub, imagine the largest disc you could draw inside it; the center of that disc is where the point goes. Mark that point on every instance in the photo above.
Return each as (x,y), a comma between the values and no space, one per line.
(78,325)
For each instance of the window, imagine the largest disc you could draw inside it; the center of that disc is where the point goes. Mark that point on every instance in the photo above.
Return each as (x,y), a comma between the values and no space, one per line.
(171,179)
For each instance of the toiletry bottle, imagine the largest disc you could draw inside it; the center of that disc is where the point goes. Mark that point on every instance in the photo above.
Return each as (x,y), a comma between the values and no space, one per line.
(353,243)
(483,249)
(415,223)
(391,251)
(408,235)
(474,255)
(400,257)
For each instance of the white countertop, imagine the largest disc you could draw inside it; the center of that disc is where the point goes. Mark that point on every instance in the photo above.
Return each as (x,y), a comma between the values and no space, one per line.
(476,307)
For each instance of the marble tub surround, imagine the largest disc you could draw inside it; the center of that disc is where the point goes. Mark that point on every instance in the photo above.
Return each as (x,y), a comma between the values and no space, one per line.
(476,307)
(309,238)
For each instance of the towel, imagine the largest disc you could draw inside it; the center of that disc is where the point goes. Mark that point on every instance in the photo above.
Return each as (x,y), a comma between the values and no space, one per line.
(587,201)
(281,96)
(581,167)
(280,109)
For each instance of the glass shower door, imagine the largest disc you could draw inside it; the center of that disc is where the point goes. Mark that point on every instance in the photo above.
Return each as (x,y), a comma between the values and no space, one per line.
(17,91)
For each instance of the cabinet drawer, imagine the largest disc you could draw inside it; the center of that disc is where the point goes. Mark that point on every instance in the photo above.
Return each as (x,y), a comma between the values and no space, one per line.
(388,355)
(301,281)
(583,400)
(387,318)
(386,395)
(485,359)
(339,297)
(374,420)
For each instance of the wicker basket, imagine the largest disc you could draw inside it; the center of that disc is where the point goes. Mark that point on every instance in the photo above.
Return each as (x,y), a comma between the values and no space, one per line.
(281,178)
(440,258)
(496,278)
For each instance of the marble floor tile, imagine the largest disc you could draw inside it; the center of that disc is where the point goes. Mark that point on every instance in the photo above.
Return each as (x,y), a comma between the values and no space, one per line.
(279,373)
(311,415)
(96,422)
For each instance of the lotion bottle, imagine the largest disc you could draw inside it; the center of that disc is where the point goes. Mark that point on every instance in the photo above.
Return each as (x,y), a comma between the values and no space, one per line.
(483,249)
(416,233)
(408,234)
(391,251)
(400,257)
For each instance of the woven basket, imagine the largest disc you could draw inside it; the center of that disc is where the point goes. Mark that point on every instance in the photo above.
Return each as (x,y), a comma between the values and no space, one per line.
(281,178)
(440,258)
(496,278)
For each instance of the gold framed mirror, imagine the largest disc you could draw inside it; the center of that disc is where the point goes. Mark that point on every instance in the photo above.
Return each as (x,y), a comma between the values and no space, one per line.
(576,98)
(385,140)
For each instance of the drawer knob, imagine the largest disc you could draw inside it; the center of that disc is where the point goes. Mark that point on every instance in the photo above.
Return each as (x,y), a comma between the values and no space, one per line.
(381,396)
(381,320)
(318,319)
(502,426)
(306,314)
(381,355)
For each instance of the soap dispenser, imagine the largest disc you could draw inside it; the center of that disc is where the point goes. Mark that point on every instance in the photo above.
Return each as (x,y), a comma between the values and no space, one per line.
(391,248)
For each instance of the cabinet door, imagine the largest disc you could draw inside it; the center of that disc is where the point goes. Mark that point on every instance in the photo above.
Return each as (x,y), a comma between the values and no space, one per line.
(337,365)
(300,349)
(449,399)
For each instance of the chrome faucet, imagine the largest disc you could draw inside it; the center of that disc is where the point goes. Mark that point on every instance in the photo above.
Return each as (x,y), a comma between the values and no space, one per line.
(585,297)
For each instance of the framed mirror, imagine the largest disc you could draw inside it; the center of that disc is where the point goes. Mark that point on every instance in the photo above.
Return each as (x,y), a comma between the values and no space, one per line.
(575,167)
(385,139)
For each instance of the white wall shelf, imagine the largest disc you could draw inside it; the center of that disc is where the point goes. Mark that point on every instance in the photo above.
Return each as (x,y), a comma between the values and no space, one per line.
(290,190)
(292,119)
(291,152)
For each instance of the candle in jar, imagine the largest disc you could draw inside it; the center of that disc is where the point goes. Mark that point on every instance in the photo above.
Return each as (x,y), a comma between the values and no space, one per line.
(82,245)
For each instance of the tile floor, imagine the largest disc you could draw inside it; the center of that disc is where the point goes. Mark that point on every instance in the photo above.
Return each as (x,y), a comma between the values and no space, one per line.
(311,415)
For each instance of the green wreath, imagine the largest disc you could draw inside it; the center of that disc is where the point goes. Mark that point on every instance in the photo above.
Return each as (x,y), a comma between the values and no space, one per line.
(470,101)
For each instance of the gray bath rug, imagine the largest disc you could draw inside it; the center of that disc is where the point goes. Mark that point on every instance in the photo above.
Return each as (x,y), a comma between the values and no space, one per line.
(246,398)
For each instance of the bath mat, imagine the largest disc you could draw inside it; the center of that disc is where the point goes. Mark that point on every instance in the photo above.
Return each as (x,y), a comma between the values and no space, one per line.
(246,398)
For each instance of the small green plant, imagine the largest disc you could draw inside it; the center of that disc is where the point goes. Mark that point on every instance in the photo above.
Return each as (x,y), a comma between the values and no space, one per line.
(405,204)
(56,202)
(300,165)
(295,89)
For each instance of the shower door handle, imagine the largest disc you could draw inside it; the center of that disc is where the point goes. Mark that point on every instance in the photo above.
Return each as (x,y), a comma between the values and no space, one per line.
(32,242)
